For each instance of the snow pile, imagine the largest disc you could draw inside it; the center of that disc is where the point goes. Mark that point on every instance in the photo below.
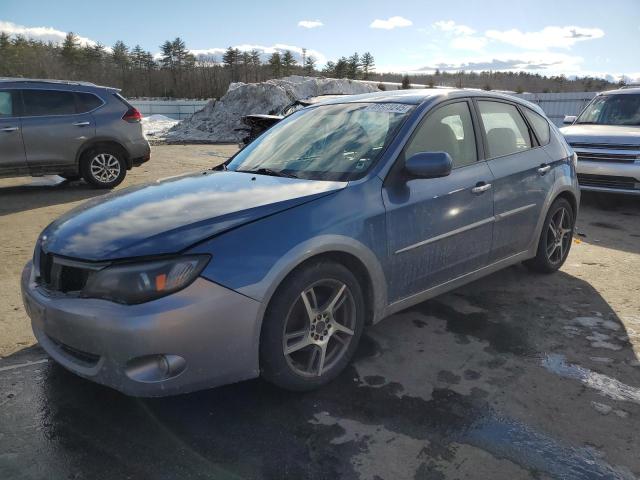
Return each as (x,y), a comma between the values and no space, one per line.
(221,121)
(157,125)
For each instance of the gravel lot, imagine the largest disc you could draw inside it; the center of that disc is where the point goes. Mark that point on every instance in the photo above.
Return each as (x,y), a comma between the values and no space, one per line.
(514,376)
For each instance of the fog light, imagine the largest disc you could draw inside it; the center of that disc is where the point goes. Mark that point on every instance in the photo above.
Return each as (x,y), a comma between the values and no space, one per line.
(155,368)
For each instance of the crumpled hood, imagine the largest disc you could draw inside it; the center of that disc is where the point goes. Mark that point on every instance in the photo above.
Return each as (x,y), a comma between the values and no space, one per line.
(613,134)
(173,214)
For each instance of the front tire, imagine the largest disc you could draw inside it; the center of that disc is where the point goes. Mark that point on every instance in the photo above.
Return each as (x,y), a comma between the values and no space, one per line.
(555,239)
(312,327)
(103,167)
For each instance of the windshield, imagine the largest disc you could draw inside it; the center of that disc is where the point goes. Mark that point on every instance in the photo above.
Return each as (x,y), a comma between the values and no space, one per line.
(623,109)
(330,142)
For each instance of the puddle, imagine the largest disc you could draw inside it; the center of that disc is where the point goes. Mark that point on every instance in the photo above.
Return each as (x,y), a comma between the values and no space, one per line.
(604,384)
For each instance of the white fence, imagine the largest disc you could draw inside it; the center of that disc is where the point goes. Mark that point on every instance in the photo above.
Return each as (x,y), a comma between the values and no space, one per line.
(555,105)
(178,109)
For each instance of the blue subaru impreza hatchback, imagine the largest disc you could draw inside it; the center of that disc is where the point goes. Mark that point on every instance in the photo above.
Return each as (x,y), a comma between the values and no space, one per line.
(273,263)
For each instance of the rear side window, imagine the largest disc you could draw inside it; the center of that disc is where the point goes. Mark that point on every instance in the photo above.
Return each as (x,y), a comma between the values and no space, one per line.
(539,124)
(48,102)
(6,104)
(504,127)
(87,102)
(448,129)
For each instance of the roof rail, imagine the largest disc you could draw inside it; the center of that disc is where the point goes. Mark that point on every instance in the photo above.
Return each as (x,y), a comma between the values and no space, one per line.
(46,80)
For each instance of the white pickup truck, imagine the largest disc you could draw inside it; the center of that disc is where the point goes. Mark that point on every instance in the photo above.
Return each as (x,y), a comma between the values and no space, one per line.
(606,138)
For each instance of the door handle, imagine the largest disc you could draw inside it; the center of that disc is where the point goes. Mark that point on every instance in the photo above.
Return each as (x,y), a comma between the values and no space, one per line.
(481,187)
(544,169)
(82,124)
(9,129)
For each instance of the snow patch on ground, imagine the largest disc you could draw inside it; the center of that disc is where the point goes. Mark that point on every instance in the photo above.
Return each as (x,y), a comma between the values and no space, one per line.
(157,125)
(220,121)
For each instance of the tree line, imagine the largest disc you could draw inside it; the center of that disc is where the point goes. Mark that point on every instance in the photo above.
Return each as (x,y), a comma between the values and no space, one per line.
(176,72)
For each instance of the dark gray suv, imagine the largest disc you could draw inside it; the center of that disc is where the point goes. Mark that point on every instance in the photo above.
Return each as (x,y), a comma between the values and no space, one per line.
(72,129)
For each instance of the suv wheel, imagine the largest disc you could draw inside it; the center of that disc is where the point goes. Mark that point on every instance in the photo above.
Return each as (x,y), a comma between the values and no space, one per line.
(103,167)
(555,239)
(312,327)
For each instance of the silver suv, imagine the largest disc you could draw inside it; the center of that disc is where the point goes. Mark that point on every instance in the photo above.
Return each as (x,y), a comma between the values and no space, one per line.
(72,129)
(606,138)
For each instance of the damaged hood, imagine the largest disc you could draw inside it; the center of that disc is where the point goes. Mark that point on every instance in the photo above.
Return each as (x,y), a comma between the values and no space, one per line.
(602,134)
(171,215)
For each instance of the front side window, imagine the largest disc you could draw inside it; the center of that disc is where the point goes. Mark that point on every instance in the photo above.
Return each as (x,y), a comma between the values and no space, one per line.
(48,102)
(448,129)
(504,127)
(329,142)
(621,109)
(540,125)
(6,104)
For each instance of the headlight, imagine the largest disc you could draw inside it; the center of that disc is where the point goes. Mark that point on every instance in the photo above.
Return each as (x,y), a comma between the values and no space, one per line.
(132,283)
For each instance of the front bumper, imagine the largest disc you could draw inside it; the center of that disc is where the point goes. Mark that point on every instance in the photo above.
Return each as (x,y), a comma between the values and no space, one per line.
(213,332)
(611,177)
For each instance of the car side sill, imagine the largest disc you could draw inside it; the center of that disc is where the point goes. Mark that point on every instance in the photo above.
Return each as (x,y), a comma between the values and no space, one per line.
(454,283)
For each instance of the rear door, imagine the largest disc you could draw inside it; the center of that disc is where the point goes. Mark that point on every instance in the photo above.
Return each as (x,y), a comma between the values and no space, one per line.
(439,228)
(522,176)
(53,129)
(12,157)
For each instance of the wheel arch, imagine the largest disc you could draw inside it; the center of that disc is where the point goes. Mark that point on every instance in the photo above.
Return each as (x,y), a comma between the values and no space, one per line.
(102,142)
(344,250)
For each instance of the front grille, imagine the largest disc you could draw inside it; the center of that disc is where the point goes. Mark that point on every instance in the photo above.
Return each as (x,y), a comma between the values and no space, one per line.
(606,157)
(607,146)
(62,276)
(608,181)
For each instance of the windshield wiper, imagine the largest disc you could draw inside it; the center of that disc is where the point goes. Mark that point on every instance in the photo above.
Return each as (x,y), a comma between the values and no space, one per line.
(268,171)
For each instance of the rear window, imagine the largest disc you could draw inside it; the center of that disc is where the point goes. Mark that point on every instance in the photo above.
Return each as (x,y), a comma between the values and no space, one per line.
(6,104)
(539,124)
(48,102)
(87,102)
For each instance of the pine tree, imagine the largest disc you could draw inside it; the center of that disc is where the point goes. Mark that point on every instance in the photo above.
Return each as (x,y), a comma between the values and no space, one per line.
(255,63)
(275,63)
(368,65)
(310,65)
(288,62)
(230,61)
(342,67)
(70,51)
(353,66)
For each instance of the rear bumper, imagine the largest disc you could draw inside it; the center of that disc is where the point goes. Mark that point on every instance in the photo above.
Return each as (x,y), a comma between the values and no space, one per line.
(613,177)
(200,337)
(136,162)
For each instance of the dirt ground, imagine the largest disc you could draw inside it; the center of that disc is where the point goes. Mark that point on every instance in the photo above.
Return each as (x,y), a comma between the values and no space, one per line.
(514,376)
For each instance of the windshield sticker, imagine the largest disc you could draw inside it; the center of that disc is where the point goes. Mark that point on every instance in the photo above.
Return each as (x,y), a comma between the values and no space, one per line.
(388,108)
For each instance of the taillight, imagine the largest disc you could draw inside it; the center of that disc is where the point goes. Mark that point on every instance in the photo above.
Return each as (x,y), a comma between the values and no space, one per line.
(132,115)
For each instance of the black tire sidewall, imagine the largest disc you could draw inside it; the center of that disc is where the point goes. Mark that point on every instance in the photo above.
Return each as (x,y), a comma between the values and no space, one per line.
(85,169)
(273,364)
(541,262)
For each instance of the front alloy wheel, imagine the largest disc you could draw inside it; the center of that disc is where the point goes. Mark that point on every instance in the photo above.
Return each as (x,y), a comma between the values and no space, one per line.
(319,328)
(312,327)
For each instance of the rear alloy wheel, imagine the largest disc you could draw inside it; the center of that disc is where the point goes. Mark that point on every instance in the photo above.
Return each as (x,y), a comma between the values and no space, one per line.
(311,333)
(104,168)
(555,239)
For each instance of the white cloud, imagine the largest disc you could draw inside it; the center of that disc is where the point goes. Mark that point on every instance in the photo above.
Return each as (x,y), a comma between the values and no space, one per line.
(310,23)
(45,34)
(391,23)
(453,27)
(215,54)
(548,37)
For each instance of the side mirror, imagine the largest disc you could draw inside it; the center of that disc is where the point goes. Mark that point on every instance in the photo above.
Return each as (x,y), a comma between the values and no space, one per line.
(569,119)
(429,164)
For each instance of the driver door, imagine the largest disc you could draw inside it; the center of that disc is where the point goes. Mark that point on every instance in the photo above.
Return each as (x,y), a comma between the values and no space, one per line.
(439,229)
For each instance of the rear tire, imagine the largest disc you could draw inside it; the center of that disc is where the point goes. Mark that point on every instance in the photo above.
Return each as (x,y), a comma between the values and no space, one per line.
(555,239)
(312,327)
(103,167)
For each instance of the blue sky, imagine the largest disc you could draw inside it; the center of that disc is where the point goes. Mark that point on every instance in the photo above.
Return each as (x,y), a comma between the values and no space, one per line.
(548,37)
